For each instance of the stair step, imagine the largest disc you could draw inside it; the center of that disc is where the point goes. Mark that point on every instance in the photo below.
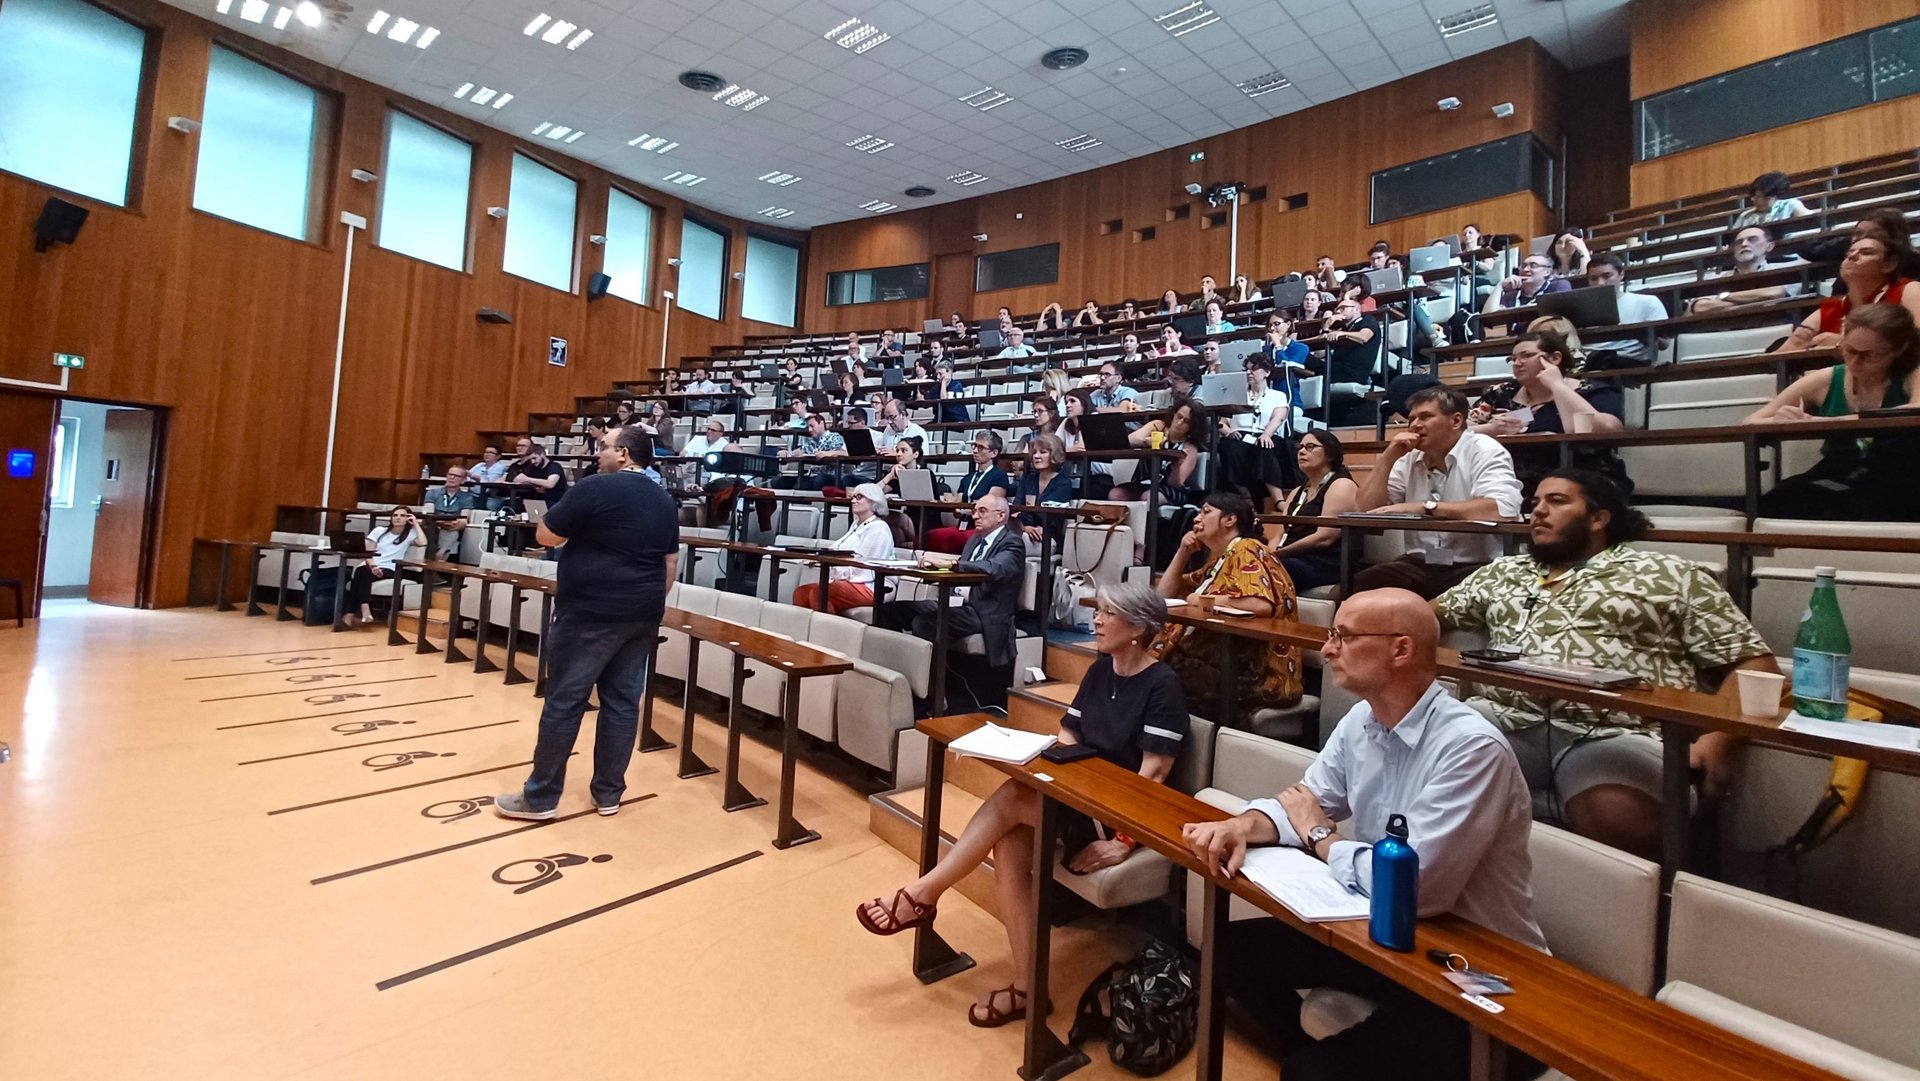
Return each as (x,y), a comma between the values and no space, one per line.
(1069,661)
(1037,706)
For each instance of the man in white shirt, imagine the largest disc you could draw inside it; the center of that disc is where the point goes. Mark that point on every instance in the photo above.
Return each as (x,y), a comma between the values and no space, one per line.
(1456,474)
(1608,268)
(1408,748)
(1752,244)
(895,425)
(700,384)
(855,351)
(713,439)
(1016,347)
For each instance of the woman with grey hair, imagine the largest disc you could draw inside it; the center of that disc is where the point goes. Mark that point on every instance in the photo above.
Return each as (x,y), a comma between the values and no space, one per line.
(1130,710)
(870,539)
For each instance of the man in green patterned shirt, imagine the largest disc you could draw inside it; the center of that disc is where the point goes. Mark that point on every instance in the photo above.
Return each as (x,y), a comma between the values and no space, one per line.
(1582,594)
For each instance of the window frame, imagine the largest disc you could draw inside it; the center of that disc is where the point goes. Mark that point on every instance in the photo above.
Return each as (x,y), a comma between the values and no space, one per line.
(984,256)
(321,162)
(574,265)
(143,103)
(827,285)
(1536,150)
(473,164)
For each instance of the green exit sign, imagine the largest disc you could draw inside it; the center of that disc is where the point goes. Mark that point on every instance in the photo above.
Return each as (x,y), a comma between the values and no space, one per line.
(69,360)
(1198,155)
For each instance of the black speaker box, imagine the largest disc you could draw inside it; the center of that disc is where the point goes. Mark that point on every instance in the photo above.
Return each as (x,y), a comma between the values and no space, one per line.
(59,223)
(598,285)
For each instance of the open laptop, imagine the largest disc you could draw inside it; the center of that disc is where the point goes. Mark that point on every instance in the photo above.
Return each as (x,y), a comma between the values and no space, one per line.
(536,510)
(1430,258)
(1593,306)
(932,326)
(1288,294)
(818,402)
(840,365)
(1383,280)
(991,340)
(892,377)
(1104,431)
(1226,388)
(1538,245)
(859,442)
(770,373)
(1192,327)
(916,484)
(1451,241)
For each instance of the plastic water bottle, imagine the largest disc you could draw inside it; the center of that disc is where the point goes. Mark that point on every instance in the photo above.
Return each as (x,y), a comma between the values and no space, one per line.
(1822,654)
(1396,888)
(425,472)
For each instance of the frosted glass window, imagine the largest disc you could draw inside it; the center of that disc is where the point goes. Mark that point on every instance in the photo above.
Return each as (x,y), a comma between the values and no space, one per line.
(703,269)
(773,282)
(256,146)
(540,219)
(423,192)
(69,89)
(627,256)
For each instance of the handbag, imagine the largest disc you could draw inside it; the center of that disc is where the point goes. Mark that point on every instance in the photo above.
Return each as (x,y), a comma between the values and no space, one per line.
(1153,1010)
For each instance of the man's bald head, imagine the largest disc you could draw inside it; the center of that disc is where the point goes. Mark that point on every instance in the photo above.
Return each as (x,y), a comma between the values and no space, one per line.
(1381,638)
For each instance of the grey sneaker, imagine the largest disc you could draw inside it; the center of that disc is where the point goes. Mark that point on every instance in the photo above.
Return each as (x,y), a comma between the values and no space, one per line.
(514,805)
(607,810)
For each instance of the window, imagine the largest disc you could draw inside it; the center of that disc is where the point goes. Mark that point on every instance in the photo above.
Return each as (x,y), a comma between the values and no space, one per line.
(66,461)
(627,256)
(1846,73)
(540,220)
(424,192)
(772,288)
(258,129)
(69,95)
(1502,167)
(907,282)
(703,268)
(1021,266)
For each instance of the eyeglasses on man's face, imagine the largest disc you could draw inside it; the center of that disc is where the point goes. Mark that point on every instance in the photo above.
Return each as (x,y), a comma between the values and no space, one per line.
(1338,637)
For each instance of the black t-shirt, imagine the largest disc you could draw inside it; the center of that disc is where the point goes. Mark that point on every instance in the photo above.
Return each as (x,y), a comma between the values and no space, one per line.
(1125,717)
(1351,361)
(620,528)
(550,469)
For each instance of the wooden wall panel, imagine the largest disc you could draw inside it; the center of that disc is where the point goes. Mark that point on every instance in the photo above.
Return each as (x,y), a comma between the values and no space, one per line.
(233,329)
(1666,54)
(1328,151)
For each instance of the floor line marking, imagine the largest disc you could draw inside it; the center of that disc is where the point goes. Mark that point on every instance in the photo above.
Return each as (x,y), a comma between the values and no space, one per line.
(599,910)
(403,787)
(384,864)
(414,738)
(302,668)
(310,689)
(271,652)
(341,713)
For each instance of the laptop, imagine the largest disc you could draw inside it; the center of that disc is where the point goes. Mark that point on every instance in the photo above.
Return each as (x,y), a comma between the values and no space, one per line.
(840,365)
(932,326)
(1104,431)
(1593,306)
(859,441)
(1430,258)
(1192,327)
(1383,280)
(916,484)
(770,373)
(1226,388)
(1451,241)
(1288,294)
(818,402)
(991,340)
(536,510)
(1539,245)
(827,381)
(892,377)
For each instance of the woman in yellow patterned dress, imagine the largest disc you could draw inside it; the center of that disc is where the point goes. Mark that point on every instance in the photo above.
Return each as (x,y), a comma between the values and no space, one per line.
(1240,572)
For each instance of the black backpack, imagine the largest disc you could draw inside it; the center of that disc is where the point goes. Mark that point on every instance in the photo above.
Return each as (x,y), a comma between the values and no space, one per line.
(1154,1006)
(317,604)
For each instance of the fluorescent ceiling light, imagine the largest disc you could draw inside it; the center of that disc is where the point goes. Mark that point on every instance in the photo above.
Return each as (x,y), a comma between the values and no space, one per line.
(466,88)
(871,144)
(878,207)
(426,37)
(557,131)
(687,180)
(309,14)
(735,96)
(485,95)
(1078,143)
(856,35)
(501,101)
(579,39)
(541,128)
(777,212)
(785,180)
(986,98)
(223,6)
(575,137)
(374,24)
(254,10)
(655,143)
(1185,20)
(281,18)
(967,179)
(1264,84)
(539,21)
(1471,19)
(402,29)
(560,28)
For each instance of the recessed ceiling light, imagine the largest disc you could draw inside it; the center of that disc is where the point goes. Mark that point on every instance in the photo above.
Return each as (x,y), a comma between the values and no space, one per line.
(554,31)
(501,101)
(379,20)
(1265,84)
(254,10)
(223,6)
(777,212)
(687,180)
(856,35)
(309,13)
(1471,19)
(575,137)
(878,207)
(539,21)
(397,29)
(785,180)
(281,18)
(1185,20)
(655,143)
(465,89)
(986,98)
(871,144)
(402,29)
(967,179)
(1078,143)
(542,126)
(557,30)
(579,39)
(735,96)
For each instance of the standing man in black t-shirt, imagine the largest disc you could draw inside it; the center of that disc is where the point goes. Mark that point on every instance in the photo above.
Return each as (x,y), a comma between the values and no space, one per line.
(622,548)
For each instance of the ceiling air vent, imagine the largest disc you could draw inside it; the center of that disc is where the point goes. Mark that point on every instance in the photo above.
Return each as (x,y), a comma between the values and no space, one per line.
(919,191)
(1062,59)
(704,81)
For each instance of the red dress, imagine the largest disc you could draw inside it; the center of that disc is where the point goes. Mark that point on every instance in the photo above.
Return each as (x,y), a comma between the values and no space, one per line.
(1833,310)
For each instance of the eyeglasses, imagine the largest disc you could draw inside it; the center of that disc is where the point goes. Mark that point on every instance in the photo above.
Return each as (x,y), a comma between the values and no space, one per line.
(1338,637)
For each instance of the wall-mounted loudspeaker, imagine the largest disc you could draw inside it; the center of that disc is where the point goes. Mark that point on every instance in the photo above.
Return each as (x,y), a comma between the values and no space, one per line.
(494,315)
(59,223)
(598,285)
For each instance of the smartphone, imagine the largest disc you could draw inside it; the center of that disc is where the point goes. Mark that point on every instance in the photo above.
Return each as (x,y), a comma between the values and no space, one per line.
(1068,752)
(1493,655)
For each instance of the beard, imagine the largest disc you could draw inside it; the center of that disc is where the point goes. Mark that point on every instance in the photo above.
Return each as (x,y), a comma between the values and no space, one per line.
(1560,549)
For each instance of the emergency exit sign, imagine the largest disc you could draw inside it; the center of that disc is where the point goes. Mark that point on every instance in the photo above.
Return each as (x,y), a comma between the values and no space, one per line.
(69,360)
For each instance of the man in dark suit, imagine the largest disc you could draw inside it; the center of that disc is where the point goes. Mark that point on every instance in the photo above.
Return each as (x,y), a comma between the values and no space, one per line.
(995,550)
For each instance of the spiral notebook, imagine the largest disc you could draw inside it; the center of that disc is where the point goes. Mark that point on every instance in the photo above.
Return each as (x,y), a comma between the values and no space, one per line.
(1304,884)
(1002,744)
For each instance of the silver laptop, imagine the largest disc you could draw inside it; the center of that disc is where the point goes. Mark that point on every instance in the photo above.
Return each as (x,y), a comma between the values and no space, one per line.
(1538,245)
(1227,388)
(932,326)
(1430,258)
(1383,280)
(536,510)
(916,484)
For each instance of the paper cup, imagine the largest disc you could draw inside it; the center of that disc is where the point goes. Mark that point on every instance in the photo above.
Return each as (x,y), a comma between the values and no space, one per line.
(1154,439)
(1760,692)
(1202,604)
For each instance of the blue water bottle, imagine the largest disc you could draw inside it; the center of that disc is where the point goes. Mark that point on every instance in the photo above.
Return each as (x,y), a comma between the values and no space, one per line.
(1396,888)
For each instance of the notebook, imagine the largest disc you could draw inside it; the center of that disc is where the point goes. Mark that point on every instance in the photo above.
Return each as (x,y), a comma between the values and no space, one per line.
(1002,744)
(1304,884)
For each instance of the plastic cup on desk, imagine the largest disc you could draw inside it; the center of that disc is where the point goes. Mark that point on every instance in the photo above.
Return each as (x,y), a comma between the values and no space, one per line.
(1760,692)
(1201,605)
(1154,439)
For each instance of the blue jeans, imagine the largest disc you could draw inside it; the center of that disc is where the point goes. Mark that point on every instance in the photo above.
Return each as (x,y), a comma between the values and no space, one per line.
(580,655)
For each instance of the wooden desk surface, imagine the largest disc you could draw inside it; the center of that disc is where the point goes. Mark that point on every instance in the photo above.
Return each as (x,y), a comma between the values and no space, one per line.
(1675,323)
(1817,541)
(810,555)
(797,658)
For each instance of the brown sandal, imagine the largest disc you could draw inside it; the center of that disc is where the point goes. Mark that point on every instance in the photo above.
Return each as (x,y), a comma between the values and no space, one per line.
(1017,1001)
(886,923)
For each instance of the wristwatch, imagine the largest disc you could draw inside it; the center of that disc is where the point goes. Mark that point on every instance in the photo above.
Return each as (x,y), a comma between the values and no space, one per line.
(1432,504)
(1316,835)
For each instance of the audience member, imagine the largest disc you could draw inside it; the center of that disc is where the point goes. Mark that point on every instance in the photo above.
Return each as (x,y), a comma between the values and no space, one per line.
(1128,312)
(490,469)
(1183,377)
(1545,395)
(1096,480)
(982,477)
(1043,482)
(948,392)
(1280,347)
(449,505)
(1311,554)
(1585,595)
(1770,200)
(1217,323)
(401,538)
(1045,421)
(1017,350)
(1222,559)
(957,326)
(906,455)
(855,351)
(797,413)
(1112,396)
(817,442)
(1170,303)
(534,475)
(1865,477)
(870,539)
(1244,291)
(1088,315)
(1871,273)
(1052,317)
(1129,709)
(622,414)
(1521,289)
(1170,343)
(1882,223)
(1407,749)
(1325,273)
(1439,469)
(896,424)
(1257,456)
(1209,294)
(1359,290)
(888,347)
(1751,246)
(1210,357)
(1133,363)
(712,439)
(596,431)
(1610,268)
(1569,253)
(1352,363)
(1310,305)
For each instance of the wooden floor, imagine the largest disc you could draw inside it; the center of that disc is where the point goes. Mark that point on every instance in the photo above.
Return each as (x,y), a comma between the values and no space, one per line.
(210,867)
